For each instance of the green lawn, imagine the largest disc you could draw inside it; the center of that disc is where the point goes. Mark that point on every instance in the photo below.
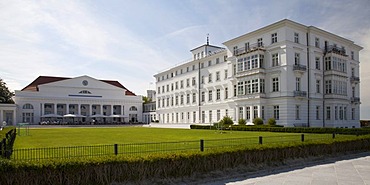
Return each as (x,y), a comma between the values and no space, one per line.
(100,141)
(59,137)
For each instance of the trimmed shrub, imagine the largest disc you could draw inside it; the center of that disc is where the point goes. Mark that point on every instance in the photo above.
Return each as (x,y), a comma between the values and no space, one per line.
(226,120)
(242,121)
(271,121)
(257,121)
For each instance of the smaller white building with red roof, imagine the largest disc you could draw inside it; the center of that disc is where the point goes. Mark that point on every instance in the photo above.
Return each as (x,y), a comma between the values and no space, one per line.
(79,100)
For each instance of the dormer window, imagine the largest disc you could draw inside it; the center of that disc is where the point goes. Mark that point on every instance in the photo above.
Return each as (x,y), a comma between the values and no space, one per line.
(84,92)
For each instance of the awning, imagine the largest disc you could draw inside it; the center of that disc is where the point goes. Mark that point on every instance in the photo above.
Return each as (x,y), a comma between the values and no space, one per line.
(117,116)
(73,116)
(98,116)
(51,116)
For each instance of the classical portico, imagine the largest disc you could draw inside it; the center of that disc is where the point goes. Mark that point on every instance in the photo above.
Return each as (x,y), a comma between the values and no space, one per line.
(82,98)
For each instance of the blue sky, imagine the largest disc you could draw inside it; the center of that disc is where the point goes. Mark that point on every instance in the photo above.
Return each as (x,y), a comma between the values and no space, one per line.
(130,41)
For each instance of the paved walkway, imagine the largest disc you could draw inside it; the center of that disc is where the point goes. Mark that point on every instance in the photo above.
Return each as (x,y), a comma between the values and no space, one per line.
(346,170)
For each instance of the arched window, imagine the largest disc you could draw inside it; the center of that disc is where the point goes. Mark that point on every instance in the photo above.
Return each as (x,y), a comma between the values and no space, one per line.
(85,92)
(133,108)
(27,106)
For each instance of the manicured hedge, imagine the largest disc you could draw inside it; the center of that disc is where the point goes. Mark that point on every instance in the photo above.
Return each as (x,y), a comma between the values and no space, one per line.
(127,169)
(267,128)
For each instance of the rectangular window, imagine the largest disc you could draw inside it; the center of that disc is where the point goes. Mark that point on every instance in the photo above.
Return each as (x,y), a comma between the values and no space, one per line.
(297,112)
(235,50)
(317,112)
(168,102)
(210,95)
(194,98)
(353,114)
(275,60)
(171,86)
(352,55)
(177,100)
(226,93)
(210,116)
(317,42)
(240,88)
(193,81)
(209,63)
(210,78)
(218,115)
(298,84)
(248,113)
(202,65)
(167,88)
(187,69)
(203,96)
(345,113)
(218,94)
(328,87)
(273,38)
(275,84)
(296,59)
(235,90)
(218,76)
(255,112)
(225,73)
(171,101)
(176,85)
(262,85)
(226,112)
(336,113)
(202,80)
(328,113)
(188,82)
(317,62)
(276,112)
(159,90)
(182,99)
(181,84)
(296,37)
(194,117)
(193,67)
(203,117)
(217,60)
(187,98)
(260,42)
(318,85)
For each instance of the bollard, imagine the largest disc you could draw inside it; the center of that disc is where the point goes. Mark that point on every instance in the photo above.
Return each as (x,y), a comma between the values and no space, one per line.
(115,149)
(302,137)
(201,145)
(260,140)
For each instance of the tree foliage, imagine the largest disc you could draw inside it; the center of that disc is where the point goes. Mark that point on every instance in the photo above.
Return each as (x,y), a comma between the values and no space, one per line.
(146,99)
(242,121)
(5,94)
(226,120)
(257,121)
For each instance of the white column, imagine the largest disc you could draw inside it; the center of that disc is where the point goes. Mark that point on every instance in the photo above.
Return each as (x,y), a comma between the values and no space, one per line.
(42,109)
(55,108)
(101,109)
(90,109)
(251,113)
(67,108)
(122,110)
(14,118)
(244,113)
(111,109)
(259,111)
(1,116)
(236,113)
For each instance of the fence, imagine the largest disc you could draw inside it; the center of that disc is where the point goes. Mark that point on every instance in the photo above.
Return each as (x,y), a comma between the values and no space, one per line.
(162,147)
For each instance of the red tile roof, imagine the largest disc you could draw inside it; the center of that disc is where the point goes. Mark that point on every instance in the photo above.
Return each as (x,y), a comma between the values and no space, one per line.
(49,79)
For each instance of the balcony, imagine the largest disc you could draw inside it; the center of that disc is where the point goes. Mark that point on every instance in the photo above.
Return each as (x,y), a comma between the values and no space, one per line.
(300,94)
(251,96)
(251,48)
(299,67)
(355,100)
(355,79)
(336,50)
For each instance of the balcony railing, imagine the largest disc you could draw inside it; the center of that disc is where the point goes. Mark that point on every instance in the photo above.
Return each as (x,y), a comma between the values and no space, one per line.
(299,67)
(355,99)
(335,49)
(300,93)
(251,48)
(355,79)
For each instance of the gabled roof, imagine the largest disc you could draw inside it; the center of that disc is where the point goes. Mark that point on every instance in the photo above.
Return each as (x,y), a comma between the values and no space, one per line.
(34,86)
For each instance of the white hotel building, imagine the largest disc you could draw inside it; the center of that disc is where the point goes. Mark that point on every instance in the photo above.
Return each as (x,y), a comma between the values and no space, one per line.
(79,100)
(300,75)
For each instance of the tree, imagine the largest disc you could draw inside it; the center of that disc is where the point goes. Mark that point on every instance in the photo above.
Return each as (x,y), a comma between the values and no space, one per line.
(146,99)
(5,94)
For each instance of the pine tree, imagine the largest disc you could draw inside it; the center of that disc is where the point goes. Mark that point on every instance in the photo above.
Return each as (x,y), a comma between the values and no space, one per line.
(5,94)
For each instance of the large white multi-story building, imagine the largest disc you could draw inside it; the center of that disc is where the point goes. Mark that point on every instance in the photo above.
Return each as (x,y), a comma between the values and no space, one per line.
(79,100)
(300,75)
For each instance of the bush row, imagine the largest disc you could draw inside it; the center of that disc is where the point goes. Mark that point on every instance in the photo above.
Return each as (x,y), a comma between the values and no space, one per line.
(277,128)
(125,169)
